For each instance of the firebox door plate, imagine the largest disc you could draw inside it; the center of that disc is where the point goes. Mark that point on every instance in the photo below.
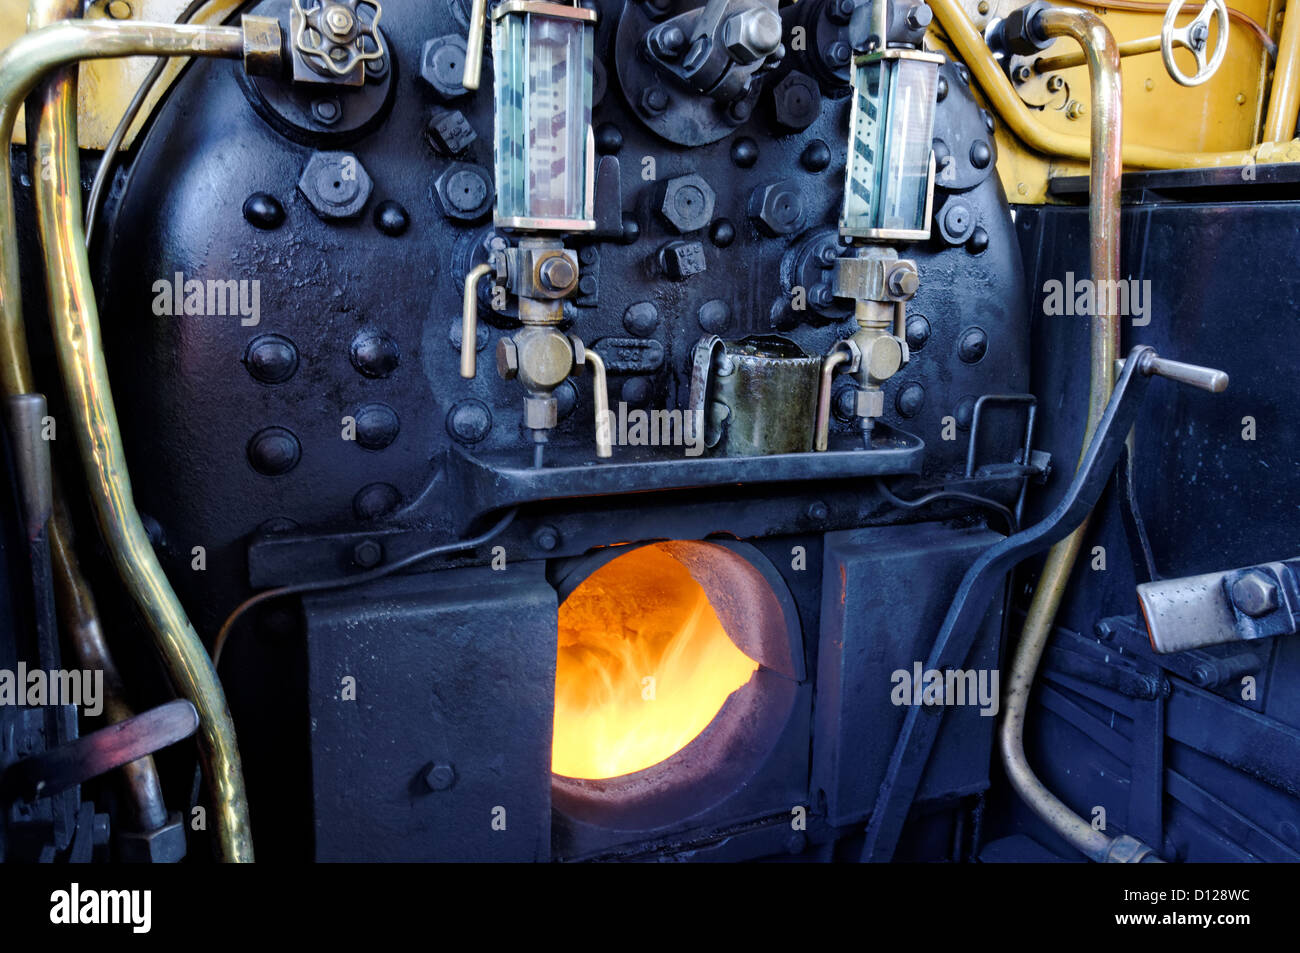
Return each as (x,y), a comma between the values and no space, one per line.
(884,595)
(444,751)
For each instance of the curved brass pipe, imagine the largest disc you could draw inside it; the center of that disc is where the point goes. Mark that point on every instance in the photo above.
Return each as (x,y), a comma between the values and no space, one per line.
(1103,219)
(78,614)
(971,47)
(81,359)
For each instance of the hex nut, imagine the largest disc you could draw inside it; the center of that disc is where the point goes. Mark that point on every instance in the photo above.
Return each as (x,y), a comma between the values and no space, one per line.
(686,203)
(442,65)
(1255,594)
(336,185)
(778,208)
(752,34)
(166,845)
(796,101)
(507,359)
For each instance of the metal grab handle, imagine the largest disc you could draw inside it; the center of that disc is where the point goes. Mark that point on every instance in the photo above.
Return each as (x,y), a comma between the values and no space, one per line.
(604,429)
(1194,37)
(469,321)
(474,45)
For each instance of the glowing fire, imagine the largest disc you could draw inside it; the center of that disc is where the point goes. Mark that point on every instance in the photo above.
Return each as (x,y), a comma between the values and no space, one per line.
(643,666)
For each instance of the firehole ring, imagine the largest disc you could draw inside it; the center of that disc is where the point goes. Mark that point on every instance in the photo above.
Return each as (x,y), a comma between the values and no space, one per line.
(757,615)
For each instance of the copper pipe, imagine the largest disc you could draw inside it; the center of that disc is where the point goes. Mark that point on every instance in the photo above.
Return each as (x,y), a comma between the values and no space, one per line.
(78,614)
(974,52)
(77,340)
(1103,220)
(1284,97)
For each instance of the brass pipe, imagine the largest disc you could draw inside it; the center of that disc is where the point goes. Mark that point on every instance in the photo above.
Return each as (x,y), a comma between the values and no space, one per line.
(1284,96)
(474,45)
(1050,64)
(469,320)
(972,49)
(822,424)
(1103,219)
(77,340)
(599,384)
(78,613)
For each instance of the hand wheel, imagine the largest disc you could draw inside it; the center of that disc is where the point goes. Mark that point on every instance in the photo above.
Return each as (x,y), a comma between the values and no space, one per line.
(1195,36)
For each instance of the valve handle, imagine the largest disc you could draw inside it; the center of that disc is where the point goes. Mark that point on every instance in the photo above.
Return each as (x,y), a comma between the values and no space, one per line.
(1194,36)
(469,321)
(600,396)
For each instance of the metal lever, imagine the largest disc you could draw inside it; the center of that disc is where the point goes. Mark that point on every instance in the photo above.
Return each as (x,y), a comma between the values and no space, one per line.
(60,768)
(469,321)
(983,580)
(474,45)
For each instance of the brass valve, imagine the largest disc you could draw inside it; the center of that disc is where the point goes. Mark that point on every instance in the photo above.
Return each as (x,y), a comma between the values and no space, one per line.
(541,272)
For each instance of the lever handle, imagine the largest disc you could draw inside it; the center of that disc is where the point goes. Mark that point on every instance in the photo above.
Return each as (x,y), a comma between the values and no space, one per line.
(469,321)
(604,439)
(1206,378)
(474,44)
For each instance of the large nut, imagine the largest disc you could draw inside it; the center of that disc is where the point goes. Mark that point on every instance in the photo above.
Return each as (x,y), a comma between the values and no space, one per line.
(778,208)
(166,845)
(796,101)
(442,65)
(335,184)
(751,35)
(686,203)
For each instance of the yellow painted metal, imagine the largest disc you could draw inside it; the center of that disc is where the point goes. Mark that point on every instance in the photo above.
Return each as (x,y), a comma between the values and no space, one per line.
(106,86)
(1034,147)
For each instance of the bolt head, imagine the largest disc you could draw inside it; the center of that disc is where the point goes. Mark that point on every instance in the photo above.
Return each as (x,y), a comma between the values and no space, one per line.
(557,273)
(439,776)
(1255,594)
(507,359)
(335,184)
(686,203)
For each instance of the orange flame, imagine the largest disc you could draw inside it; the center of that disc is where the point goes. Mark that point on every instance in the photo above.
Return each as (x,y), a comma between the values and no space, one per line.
(643,666)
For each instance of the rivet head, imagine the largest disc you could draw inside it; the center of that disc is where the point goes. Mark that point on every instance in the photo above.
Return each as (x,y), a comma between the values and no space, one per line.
(274,451)
(263,210)
(377,426)
(391,218)
(374,353)
(271,358)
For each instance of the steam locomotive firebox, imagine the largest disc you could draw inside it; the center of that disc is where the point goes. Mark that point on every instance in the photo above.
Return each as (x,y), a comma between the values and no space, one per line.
(690,565)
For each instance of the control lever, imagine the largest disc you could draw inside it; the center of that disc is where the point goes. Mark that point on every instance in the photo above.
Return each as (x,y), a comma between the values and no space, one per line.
(983,580)
(67,765)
